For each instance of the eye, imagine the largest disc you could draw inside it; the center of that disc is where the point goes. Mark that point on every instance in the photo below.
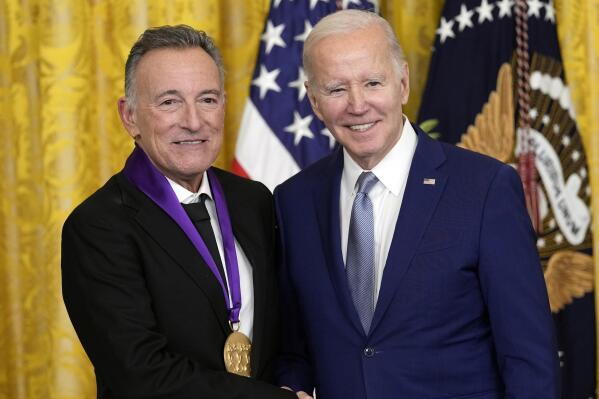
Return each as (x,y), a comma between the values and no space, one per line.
(168,102)
(209,101)
(336,90)
(373,83)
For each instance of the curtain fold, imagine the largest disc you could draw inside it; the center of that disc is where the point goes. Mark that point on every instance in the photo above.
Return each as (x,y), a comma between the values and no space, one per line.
(578,33)
(61,72)
(415,23)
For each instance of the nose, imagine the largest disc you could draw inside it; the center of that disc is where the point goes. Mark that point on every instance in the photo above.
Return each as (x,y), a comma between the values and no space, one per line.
(192,120)
(357,103)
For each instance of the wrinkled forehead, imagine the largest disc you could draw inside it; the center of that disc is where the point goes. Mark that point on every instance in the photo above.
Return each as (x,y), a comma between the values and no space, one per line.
(368,37)
(359,55)
(171,58)
(172,68)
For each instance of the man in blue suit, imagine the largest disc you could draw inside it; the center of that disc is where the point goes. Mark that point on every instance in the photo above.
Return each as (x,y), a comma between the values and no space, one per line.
(409,266)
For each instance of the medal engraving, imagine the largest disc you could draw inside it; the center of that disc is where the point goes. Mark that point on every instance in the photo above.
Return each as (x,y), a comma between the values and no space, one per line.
(237,354)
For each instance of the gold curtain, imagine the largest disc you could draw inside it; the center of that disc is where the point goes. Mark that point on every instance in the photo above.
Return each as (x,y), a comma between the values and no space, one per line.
(61,71)
(578,33)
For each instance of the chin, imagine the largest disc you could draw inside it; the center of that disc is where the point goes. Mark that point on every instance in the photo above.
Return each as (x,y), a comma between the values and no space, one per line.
(191,166)
(195,172)
(363,152)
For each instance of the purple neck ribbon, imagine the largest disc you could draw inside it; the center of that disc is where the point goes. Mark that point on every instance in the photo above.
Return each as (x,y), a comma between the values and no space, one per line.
(143,174)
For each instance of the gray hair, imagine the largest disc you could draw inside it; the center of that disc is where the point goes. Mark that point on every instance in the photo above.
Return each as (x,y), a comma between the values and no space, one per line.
(178,37)
(346,21)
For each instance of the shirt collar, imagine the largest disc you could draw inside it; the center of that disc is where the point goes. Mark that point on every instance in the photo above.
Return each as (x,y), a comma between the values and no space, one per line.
(391,169)
(187,197)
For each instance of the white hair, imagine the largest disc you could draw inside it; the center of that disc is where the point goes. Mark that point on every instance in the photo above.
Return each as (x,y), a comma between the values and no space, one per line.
(346,21)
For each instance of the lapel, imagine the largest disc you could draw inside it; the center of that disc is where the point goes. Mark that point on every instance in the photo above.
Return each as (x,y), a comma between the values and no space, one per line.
(169,236)
(326,203)
(418,205)
(246,235)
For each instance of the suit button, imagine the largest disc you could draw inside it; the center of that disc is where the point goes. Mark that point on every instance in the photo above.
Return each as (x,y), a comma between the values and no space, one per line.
(369,352)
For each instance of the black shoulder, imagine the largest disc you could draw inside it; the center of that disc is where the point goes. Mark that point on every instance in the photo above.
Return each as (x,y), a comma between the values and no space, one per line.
(106,204)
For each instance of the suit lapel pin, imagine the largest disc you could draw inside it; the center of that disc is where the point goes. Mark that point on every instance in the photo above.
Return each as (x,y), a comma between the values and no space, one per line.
(430,182)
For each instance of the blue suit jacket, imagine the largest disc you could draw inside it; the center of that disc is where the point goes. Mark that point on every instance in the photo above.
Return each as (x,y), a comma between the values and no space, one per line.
(462,309)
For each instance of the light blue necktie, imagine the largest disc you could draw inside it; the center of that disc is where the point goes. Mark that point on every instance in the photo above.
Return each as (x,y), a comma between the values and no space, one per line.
(360,251)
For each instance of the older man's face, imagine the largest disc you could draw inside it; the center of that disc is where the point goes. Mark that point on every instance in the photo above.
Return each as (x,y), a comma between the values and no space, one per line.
(178,115)
(358,93)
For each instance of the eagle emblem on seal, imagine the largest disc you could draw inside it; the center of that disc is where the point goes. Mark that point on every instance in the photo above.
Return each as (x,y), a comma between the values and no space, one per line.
(564,239)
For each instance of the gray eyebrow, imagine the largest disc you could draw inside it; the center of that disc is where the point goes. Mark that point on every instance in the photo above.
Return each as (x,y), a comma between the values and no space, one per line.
(177,93)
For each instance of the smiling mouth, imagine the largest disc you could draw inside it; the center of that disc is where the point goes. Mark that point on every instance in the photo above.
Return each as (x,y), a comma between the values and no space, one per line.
(361,128)
(188,142)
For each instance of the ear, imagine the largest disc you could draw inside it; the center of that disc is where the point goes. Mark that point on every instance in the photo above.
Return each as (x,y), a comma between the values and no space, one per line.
(313,99)
(405,83)
(127,114)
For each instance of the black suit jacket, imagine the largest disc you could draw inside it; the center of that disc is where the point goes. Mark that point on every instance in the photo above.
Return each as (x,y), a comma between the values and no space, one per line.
(148,310)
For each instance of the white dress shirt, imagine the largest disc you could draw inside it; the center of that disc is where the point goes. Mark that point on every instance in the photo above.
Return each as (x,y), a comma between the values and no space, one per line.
(386,196)
(246,315)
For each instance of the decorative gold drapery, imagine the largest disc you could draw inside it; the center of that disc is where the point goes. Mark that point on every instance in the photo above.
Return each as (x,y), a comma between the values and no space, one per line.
(578,33)
(61,71)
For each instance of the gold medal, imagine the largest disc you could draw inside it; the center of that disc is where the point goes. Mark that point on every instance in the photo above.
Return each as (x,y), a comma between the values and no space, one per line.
(237,354)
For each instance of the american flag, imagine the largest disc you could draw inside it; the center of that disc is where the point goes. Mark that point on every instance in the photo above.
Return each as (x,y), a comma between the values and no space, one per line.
(279,134)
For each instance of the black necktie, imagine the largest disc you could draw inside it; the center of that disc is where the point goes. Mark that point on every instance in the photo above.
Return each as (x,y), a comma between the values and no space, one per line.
(200,217)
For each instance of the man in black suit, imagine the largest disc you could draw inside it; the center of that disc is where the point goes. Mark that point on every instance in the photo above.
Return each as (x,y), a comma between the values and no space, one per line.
(168,272)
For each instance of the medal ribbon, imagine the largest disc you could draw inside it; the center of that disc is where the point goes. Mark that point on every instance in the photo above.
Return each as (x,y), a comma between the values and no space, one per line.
(143,174)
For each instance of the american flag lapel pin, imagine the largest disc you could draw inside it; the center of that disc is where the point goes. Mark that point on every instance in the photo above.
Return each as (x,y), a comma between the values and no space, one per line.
(429,181)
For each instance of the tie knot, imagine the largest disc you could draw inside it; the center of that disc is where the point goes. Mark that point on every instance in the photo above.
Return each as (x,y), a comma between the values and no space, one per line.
(366,181)
(197,211)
